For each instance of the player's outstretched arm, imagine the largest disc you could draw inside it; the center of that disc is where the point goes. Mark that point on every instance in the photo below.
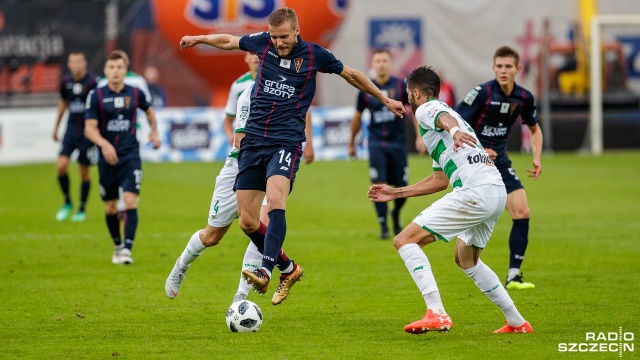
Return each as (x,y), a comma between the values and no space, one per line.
(358,80)
(220,41)
(309,153)
(154,138)
(437,181)
(356,123)
(536,149)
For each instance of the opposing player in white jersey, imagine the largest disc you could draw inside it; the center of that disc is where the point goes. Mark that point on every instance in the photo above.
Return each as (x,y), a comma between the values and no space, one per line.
(222,212)
(239,85)
(467,214)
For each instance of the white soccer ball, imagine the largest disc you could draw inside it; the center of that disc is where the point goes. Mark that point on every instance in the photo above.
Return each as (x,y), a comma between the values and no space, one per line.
(244,316)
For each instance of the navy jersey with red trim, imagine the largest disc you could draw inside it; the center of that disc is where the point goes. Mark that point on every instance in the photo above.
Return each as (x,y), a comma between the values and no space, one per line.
(492,113)
(116,114)
(385,125)
(285,86)
(75,93)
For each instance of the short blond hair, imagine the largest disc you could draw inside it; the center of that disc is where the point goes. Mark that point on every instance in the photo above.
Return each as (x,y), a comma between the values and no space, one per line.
(283,15)
(119,54)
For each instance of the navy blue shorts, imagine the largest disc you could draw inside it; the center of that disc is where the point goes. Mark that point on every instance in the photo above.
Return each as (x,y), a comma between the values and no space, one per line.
(261,158)
(388,164)
(86,149)
(126,174)
(509,176)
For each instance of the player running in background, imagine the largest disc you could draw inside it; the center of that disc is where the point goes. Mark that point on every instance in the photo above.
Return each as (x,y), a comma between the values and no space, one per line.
(222,212)
(110,123)
(491,109)
(238,87)
(272,145)
(467,214)
(388,163)
(74,88)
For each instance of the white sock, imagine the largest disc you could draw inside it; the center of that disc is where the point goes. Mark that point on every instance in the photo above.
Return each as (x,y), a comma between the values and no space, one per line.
(487,281)
(251,261)
(420,269)
(193,250)
(513,272)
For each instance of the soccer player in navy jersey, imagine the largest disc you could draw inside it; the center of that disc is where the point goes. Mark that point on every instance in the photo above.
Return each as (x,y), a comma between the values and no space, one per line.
(388,163)
(74,88)
(272,146)
(491,109)
(110,123)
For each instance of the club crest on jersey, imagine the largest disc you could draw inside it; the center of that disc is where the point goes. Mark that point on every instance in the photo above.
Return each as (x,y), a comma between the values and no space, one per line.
(298,63)
(118,102)
(392,93)
(77,89)
(285,63)
(127,101)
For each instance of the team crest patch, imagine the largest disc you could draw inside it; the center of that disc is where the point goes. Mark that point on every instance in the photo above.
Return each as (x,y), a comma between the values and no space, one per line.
(298,63)
(285,63)
(392,93)
(127,101)
(118,102)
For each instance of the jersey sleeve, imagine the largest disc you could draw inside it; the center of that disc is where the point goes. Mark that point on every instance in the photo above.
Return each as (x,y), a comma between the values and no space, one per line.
(91,106)
(361,102)
(529,113)
(144,101)
(63,94)
(243,109)
(427,115)
(327,61)
(94,83)
(232,100)
(255,42)
(435,166)
(471,104)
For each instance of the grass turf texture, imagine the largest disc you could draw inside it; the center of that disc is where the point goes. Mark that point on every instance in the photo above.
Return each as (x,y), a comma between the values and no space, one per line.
(62,297)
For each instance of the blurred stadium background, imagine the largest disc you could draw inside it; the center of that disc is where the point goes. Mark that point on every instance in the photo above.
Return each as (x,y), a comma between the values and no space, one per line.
(552,37)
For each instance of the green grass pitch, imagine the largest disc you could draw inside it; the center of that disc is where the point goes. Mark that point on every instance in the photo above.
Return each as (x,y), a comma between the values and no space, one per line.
(62,298)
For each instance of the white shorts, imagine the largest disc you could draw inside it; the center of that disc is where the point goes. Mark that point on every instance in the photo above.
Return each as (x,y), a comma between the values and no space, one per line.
(468,214)
(224,206)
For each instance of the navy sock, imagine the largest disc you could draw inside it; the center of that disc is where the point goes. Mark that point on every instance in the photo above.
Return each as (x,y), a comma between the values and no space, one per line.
(130,226)
(84,194)
(113,224)
(395,213)
(381,210)
(274,238)
(63,180)
(518,241)
(257,237)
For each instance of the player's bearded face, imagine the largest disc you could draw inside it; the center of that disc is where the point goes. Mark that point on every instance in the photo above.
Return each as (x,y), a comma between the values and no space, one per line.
(412,100)
(284,38)
(505,69)
(115,70)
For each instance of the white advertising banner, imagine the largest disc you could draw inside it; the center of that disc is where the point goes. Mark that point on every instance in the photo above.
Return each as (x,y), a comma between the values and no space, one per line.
(187,134)
(26,136)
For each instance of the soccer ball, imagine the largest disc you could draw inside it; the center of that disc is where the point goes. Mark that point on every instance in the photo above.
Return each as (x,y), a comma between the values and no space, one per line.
(244,316)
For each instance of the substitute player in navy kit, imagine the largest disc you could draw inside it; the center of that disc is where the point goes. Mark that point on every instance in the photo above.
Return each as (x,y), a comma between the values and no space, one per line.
(491,109)
(111,124)
(272,146)
(74,88)
(388,163)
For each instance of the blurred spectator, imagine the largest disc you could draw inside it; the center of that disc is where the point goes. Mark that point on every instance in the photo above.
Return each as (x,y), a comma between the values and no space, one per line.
(447,93)
(158,93)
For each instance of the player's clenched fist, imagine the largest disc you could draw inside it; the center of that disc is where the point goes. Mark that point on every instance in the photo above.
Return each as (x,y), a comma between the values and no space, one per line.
(188,42)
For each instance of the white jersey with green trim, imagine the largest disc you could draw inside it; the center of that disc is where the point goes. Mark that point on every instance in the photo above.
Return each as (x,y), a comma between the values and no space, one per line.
(242,114)
(465,168)
(237,88)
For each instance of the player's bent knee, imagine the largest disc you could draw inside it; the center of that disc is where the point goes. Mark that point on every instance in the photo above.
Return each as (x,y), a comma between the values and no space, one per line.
(248,226)
(211,236)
